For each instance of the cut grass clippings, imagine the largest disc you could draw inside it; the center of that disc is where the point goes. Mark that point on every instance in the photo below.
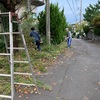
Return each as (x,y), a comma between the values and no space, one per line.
(40,61)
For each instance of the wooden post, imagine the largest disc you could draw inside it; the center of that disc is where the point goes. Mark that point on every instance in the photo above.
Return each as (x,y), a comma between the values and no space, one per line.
(48,22)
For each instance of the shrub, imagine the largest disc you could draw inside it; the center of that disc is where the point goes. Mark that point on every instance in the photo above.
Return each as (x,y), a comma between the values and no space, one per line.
(2,44)
(86,29)
(57,24)
(96,24)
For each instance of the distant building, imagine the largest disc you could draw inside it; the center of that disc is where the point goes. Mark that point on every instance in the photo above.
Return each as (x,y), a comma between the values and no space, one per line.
(77,26)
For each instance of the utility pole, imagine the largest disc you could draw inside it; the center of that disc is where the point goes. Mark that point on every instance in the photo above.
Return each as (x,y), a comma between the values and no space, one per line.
(80,13)
(48,21)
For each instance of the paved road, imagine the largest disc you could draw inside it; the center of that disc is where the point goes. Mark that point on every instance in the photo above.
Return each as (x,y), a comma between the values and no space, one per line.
(74,76)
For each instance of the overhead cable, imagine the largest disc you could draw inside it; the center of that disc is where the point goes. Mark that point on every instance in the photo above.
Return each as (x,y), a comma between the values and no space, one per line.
(71,9)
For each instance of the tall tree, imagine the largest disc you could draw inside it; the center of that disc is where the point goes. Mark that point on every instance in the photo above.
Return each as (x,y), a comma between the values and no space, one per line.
(91,12)
(96,24)
(57,24)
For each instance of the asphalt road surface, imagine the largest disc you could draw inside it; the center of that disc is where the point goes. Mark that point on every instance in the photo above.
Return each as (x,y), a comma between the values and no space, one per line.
(75,75)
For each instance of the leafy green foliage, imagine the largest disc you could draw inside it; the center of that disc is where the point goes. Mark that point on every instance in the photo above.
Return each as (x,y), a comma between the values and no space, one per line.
(96,21)
(41,60)
(42,22)
(2,8)
(2,44)
(5,24)
(92,11)
(86,29)
(96,24)
(57,24)
(26,25)
(97,30)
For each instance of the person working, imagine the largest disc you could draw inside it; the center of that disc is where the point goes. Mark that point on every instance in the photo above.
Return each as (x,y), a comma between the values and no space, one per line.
(36,37)
(69,37)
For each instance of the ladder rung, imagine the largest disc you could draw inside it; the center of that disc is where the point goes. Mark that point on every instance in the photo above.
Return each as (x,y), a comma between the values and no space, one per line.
(5,33)
(15,22)
(21,48)
(21,61)
(5,96)
(4,13)
(17,73)
(17,32)
(28,74)
(5,75)
(24,84)
(4,54)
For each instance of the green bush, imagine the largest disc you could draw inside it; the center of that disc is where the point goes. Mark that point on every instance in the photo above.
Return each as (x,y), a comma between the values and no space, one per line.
(74,35)
(86,29)
(97,31)
(57,24)
(2,44)
(96,24)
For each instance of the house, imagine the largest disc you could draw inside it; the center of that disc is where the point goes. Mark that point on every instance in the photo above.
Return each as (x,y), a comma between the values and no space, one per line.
(34,4)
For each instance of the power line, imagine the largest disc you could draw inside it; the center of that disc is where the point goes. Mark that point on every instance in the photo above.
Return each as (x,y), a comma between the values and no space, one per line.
(74,7)
(80,11)
(77,9)
(71,9)
(76,4)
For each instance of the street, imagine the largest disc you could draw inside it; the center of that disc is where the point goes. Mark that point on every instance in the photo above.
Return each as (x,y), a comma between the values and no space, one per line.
(75,75)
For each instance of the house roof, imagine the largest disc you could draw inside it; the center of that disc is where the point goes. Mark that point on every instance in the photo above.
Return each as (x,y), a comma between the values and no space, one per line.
(37,2)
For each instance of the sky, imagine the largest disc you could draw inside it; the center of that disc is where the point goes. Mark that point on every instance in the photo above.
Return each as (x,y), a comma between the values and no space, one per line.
(71,8)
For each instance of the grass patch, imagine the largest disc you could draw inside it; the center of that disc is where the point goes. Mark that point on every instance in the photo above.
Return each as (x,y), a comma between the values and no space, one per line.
(47,56)
(40,61)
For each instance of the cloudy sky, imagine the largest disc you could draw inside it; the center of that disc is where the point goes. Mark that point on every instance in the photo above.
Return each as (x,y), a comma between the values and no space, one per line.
(72,8)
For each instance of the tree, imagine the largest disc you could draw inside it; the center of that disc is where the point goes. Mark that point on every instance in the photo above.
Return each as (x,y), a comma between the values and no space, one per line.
(96,24)
(96,21)
(91,12)
(10,4)
(79,27)
(57,24)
